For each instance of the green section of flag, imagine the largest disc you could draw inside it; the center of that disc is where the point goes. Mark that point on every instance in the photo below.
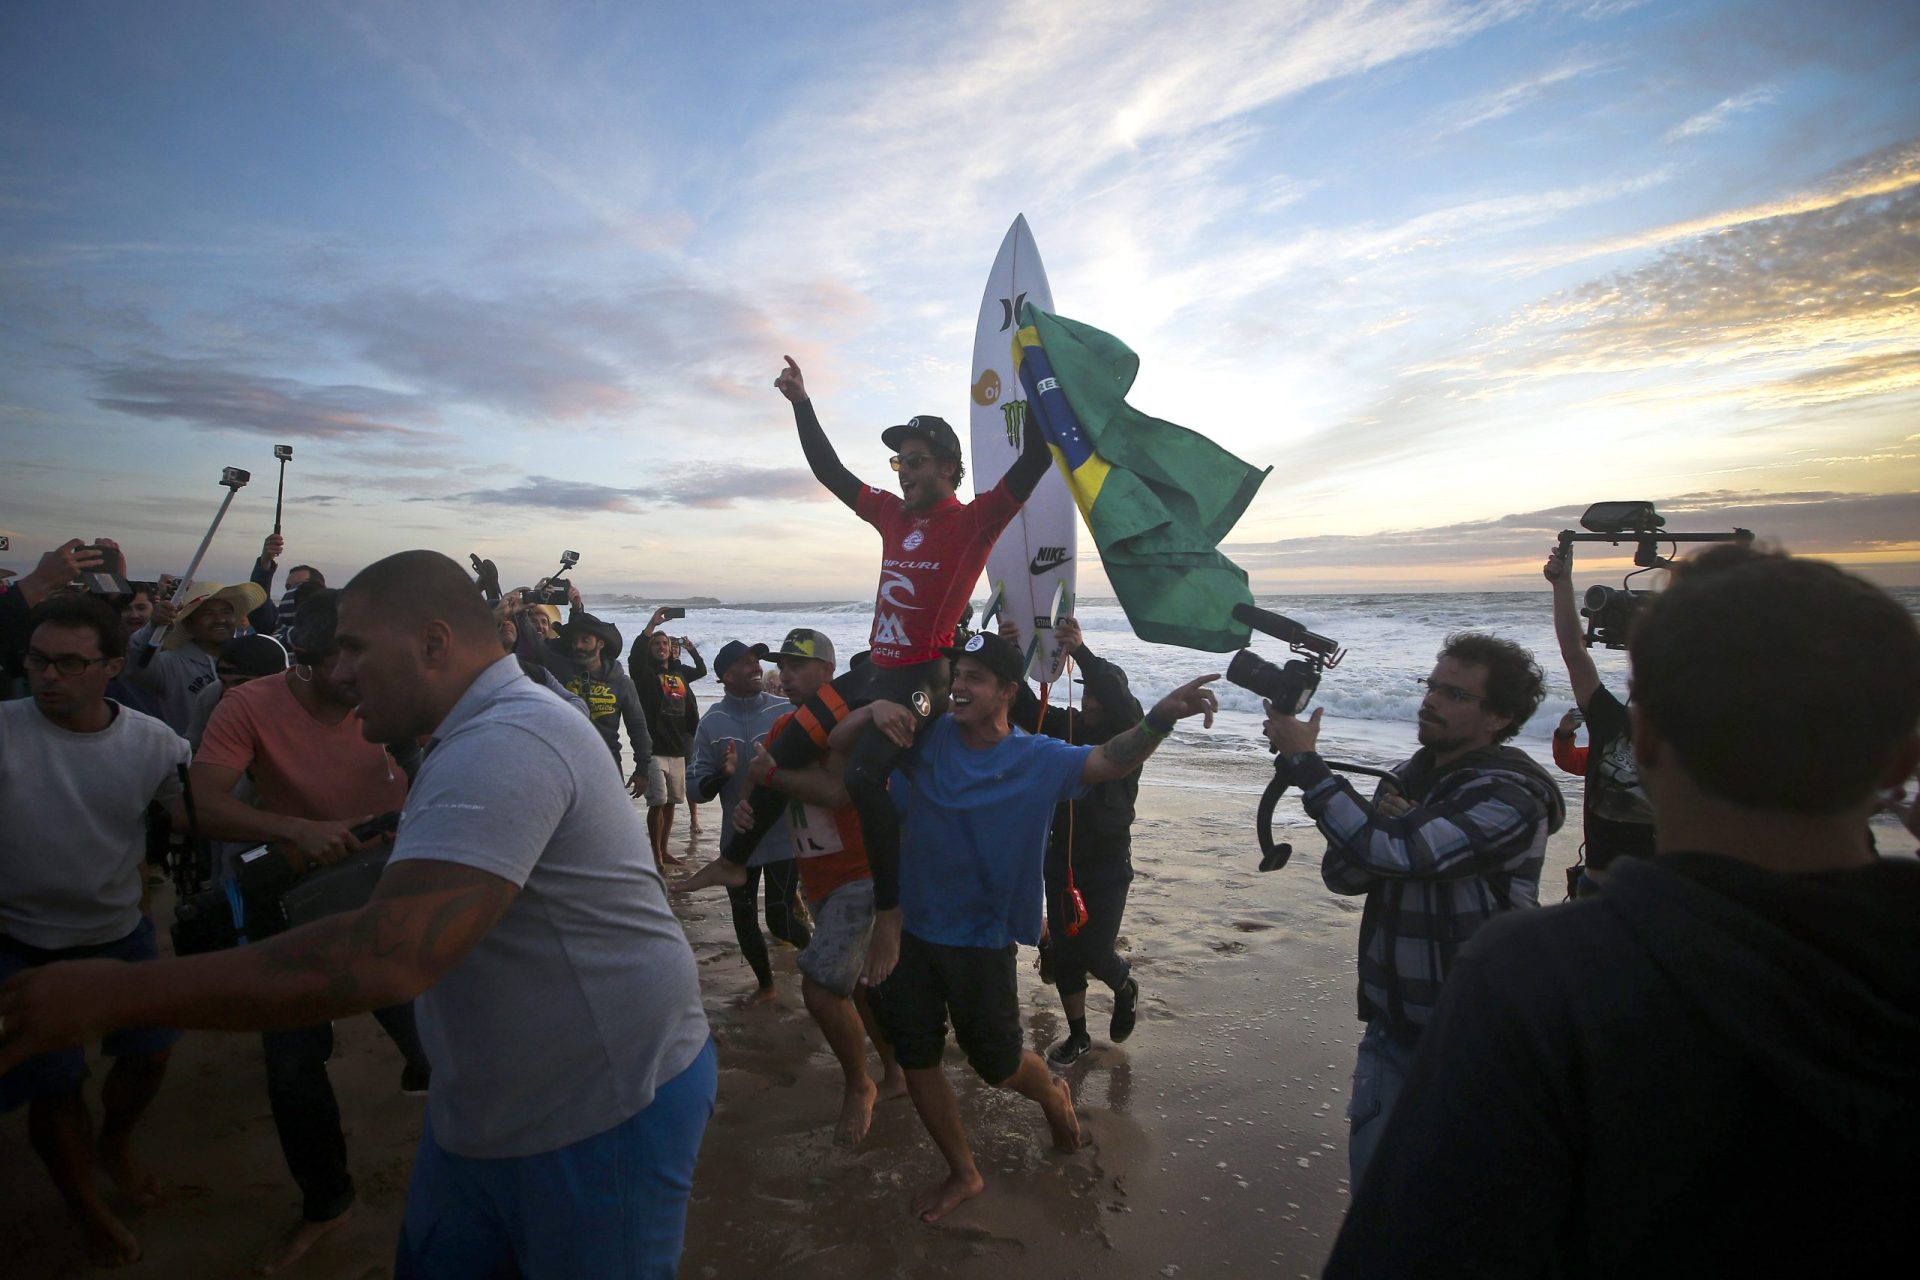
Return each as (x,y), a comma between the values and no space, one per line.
(1162,510)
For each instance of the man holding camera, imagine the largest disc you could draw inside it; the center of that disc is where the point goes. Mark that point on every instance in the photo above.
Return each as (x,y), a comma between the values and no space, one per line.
(77,772)
(297,736)
(1710,1068)
(662,681)
(558,998)
(1457,836)
(1617,819)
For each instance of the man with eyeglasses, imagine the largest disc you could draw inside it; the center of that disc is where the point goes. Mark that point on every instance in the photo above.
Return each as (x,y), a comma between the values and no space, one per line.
(933,547)
(1457,836)
(77,772)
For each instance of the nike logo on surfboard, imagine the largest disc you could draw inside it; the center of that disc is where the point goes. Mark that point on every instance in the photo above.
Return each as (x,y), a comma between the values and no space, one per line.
(1049,558)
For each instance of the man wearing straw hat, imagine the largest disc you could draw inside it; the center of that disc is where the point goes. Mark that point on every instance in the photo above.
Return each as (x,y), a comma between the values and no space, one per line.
(176,656)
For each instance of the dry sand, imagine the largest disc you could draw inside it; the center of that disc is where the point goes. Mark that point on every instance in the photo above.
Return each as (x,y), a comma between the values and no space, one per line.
(1216,1135)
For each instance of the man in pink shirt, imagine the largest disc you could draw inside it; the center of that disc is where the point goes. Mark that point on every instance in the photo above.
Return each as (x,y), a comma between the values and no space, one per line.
(297,736)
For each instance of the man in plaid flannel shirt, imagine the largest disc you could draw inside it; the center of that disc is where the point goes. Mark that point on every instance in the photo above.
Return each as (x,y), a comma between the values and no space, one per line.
(1457,836)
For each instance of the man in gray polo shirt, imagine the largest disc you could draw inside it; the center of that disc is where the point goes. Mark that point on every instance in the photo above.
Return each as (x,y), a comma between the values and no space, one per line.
(557,996)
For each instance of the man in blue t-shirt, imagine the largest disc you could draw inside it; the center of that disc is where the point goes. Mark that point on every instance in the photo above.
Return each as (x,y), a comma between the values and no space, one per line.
(975,797)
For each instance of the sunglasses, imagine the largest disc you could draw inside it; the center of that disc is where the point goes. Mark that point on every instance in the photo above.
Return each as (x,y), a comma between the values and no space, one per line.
(909,461)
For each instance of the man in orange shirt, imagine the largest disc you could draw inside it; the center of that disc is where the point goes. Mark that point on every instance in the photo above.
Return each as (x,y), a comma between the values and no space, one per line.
(297,735)
(838,887)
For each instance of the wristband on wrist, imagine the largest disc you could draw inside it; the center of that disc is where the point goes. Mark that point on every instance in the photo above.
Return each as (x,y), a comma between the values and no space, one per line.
(1153,727)
(766,779)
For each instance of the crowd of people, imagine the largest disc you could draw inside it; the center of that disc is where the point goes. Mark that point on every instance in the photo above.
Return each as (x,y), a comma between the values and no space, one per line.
(1661,1076)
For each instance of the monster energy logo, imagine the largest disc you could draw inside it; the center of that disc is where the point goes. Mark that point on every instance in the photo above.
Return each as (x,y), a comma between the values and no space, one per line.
(1015,413)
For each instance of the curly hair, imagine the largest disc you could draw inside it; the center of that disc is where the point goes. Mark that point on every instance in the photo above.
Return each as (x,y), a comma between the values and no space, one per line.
(1515,683)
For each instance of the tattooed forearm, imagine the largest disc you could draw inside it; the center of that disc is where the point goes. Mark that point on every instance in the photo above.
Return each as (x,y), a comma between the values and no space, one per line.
(1128,751)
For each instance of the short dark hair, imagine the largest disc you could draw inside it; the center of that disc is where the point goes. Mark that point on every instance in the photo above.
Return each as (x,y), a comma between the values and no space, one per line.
(311,635)
(316,575)
(1515,683)
(424,586)
(87,611)
(959,466)
(1780,684)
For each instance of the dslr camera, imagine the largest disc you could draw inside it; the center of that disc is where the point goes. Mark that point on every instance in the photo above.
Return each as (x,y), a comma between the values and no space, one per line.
(1609,611)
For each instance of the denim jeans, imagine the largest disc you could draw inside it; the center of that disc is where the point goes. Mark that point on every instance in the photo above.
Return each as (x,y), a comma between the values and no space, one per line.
(1379,1071)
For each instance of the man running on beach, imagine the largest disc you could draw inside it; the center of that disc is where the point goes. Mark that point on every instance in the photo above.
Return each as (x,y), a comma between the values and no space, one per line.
(933,549)
(976,797)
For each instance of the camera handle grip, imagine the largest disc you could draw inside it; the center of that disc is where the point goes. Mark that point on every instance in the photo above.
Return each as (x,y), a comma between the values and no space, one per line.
(1273,854)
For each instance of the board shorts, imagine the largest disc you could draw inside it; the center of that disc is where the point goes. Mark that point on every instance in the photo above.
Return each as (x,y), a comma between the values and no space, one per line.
(976,986)
(63,1071)
(842,928)
(666,781)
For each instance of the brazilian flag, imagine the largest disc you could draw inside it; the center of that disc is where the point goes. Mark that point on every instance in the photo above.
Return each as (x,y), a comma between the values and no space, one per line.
(1156,497)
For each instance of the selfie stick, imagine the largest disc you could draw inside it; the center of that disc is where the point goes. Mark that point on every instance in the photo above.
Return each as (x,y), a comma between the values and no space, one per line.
(284,452)
(233,478)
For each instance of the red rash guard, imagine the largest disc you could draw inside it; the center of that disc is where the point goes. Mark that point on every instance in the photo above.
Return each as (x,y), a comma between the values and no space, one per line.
(929,562)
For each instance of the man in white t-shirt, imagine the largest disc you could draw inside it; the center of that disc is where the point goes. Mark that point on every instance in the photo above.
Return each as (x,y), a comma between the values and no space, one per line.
(77,772)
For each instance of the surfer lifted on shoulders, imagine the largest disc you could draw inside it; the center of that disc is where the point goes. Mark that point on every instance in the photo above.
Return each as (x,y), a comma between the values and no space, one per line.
(933,548)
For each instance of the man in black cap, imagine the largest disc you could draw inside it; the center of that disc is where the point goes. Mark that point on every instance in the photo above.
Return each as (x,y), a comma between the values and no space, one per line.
(977,796)
(593,644)
(933,549)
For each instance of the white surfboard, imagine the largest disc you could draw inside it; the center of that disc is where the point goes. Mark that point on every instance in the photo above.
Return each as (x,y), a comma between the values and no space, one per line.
(1031,569)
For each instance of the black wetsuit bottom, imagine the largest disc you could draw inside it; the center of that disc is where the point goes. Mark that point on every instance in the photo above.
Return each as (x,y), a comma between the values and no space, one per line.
(1103,886)
(921,687)
(783,915)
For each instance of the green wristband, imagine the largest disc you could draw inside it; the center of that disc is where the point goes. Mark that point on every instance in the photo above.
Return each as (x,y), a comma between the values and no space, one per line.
(1146,722)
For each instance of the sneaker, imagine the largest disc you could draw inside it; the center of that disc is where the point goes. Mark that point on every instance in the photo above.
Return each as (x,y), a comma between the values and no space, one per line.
(1123,1011)
(1069,1051)
(414,1081)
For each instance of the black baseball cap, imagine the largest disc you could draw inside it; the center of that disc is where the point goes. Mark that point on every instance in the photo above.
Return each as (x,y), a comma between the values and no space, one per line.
(938,436)
(732,651)
(253,655)
(994,652)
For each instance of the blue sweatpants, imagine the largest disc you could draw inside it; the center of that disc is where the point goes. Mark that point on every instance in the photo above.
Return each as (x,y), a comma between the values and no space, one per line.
(613,1206)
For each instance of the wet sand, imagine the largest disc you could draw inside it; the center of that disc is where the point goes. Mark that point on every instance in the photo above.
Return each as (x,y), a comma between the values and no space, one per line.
(1215,1136)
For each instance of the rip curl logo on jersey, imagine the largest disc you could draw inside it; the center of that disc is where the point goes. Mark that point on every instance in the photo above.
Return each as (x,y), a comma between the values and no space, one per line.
(891,582)
(912,541)
(922,704)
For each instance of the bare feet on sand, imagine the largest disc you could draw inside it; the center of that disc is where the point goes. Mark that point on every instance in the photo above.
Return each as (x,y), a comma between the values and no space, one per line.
(893,1085)
(293,1246)
(757,996)
(138,1183)
(937,1202)
(1062,1120)
(109,1243)
(674,859)
(731,875)
(856,1112)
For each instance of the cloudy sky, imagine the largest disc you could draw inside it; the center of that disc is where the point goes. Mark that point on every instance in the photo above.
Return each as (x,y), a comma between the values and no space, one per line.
(516,277)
